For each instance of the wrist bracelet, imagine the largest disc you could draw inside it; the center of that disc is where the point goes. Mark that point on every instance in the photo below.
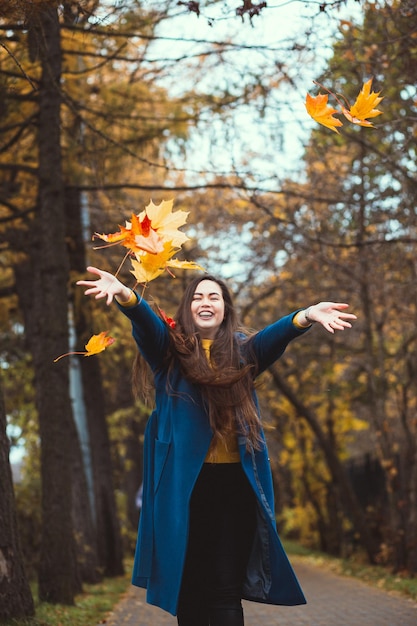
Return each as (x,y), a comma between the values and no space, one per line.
(306,315)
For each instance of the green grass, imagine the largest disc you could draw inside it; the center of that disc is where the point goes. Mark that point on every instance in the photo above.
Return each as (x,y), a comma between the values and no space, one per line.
(355,567)
(91,607)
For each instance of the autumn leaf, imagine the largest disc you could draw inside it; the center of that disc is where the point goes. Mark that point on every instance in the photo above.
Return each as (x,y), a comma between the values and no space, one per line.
(318,108)
(166,222)
(138,234)
(184,265)
(96,344)
(147,267)
(364,106)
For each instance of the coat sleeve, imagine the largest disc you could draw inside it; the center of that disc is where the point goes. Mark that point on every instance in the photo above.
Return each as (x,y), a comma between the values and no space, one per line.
(149,331)
(269,344)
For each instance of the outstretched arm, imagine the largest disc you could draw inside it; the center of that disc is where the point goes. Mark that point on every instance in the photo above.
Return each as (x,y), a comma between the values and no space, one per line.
(331,315)
(106,286)
(149,330)
(269,344)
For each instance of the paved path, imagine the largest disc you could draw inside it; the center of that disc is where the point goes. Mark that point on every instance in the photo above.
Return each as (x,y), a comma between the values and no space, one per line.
(332,600)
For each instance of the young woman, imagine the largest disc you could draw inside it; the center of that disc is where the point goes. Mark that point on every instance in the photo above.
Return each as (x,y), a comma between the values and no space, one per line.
(207,535)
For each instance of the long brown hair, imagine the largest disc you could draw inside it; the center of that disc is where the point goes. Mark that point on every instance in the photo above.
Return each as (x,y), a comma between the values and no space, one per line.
(226,382)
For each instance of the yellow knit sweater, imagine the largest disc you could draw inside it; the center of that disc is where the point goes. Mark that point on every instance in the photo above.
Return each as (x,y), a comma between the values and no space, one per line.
(226,450)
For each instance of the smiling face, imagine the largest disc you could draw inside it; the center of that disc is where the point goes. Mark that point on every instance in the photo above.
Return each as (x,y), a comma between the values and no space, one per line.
(207,308)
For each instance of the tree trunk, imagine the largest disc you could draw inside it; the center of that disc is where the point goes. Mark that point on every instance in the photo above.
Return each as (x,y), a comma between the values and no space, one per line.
(377,384)
(109,542)
(108,534)
(328,522)
(15,595)
(85,541)
(133,472)
(82,516)
(57,572)
(134,424)
(335,467)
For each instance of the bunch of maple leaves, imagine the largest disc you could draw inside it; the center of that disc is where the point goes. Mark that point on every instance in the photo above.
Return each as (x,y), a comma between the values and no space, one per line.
(359,113)
(152,239)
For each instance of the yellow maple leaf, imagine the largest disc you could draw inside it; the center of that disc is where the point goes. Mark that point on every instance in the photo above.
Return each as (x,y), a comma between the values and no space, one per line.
(184,265)
(166,222)
(96,344)
(364,106)
(147,267)
(318,108)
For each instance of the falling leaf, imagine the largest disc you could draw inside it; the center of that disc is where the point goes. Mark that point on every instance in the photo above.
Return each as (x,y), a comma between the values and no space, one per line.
(321,112)
(147,267)
(184,265)
(364,106)
(166,222)
(96,344)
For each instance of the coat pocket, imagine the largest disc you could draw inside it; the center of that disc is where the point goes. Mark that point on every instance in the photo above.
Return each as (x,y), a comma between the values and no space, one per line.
(161,454)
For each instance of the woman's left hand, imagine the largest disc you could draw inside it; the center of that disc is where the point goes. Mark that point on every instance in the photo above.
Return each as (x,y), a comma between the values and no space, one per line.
(330,315)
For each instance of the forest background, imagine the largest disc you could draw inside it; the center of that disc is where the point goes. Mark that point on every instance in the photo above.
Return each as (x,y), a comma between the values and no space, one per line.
(106,105)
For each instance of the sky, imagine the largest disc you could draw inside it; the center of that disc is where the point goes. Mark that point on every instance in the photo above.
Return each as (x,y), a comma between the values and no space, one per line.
(294,33)
(279,134)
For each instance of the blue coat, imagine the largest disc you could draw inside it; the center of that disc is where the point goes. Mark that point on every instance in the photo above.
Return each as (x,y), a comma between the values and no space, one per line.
(177,439)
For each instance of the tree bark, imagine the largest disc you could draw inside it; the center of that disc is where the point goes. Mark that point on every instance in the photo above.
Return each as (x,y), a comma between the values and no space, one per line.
(57,571)
(133,472)
(109,545)
(335,467)
(15,595)
(88,566)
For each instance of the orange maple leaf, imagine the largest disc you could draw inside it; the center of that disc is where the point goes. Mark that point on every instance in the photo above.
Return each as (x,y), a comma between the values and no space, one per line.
(96,344)
(364,106)
(318,108)
(138,234)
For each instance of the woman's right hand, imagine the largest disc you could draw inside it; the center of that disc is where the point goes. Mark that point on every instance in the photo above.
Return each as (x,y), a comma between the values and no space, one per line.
(106,286)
